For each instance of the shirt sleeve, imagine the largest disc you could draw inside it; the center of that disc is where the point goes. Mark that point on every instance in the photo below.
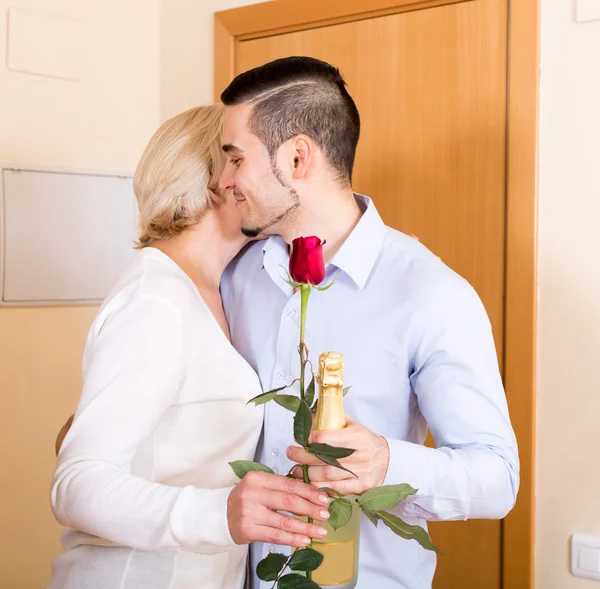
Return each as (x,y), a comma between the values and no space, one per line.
(474,470)
(136,365)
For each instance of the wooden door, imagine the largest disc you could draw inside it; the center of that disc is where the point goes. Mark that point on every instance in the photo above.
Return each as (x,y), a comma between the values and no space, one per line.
(430,86)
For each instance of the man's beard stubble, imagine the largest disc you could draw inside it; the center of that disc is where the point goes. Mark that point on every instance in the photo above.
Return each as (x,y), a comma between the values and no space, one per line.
(257,230)
(262,228)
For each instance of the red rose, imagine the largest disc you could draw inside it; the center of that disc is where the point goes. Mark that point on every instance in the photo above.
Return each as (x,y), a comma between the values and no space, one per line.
(306,261)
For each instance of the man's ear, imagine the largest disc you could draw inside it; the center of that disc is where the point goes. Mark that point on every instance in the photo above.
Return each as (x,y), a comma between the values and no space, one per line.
(302,156)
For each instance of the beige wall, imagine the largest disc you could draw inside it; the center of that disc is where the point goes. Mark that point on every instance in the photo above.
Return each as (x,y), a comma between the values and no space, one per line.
(103,123)
(568,466)
(187,52)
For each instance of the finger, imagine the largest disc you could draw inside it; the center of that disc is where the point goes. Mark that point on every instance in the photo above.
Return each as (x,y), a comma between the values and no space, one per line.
(301,456)
(340,438)
(276,482)
(323,473)
(350,486)
(281,501)
(292,525)
(328,473)
(270,535)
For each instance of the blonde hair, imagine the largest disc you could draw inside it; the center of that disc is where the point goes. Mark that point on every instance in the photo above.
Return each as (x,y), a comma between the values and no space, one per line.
(175,179)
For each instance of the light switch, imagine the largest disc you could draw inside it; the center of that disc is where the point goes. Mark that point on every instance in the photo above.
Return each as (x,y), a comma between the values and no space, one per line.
(588,10)
(589,559)
(585,556)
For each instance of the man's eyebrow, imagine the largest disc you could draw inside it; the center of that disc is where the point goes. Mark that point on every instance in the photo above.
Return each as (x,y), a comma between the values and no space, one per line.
(229,148)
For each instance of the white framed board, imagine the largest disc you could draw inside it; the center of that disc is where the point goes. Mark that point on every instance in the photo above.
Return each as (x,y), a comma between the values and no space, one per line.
(65,235)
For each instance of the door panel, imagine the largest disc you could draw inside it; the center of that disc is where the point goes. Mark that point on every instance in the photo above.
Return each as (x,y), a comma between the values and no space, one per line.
(430,86)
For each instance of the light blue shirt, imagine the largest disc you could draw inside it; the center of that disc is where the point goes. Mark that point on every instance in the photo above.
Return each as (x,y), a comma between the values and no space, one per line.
(418,351)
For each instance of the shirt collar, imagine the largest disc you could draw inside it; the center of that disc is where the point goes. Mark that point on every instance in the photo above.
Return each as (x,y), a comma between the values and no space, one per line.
(356,256)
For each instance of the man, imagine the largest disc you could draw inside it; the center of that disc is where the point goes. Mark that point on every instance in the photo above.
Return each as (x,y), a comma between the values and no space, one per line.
(417,342)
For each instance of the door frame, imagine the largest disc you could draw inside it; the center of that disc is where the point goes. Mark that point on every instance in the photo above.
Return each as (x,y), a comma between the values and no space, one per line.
(520,336)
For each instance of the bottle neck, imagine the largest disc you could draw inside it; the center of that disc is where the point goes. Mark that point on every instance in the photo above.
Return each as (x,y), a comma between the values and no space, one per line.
(330,408)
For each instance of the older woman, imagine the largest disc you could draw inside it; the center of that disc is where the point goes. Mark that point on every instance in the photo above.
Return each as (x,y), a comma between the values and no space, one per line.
(142,481)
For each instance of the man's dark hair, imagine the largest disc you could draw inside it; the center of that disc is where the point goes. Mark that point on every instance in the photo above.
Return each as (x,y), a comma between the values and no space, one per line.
(297,95)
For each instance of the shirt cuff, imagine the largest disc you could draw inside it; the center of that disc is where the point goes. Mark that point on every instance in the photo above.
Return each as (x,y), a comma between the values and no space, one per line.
(409,464)
(199,520)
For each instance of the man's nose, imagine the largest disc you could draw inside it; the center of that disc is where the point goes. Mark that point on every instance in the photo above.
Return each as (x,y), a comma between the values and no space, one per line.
(226,180)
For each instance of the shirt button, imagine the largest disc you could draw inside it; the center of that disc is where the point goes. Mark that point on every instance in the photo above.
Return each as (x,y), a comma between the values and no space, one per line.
(275,469)
(275,451)
(271,548)
(281,374)
(291,312)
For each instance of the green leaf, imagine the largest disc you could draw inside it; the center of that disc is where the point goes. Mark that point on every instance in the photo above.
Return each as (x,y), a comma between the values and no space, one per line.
(269,568)
(242,467)
(332,451)
(302,424)
(386,497)
(262,399)
(373,517)
(296,581)
(330,491)
(290,402)
(306,559)
(310,392)
(340,511)
(407,531)
(331,460)
(266,397)
(346,390)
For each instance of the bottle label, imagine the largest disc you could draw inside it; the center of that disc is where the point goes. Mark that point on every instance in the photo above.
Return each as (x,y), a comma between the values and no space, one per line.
(338,566)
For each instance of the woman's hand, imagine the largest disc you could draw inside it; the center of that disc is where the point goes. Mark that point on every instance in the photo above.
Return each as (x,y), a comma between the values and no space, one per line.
(254,505)
(64,430)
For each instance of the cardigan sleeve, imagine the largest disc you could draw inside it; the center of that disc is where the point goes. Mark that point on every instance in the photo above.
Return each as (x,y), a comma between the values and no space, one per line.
(136,365)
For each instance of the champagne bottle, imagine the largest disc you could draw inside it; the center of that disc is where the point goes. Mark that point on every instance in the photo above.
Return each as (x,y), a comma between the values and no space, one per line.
(340,547)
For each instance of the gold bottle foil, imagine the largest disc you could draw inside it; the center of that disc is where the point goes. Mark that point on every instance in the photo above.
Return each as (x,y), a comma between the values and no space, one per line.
(330,378)
(340,548)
